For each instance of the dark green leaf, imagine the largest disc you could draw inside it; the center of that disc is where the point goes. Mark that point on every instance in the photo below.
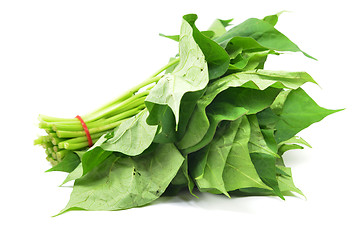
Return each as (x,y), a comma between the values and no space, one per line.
(265,166)
(216,57)
(166,120)
(269,138)
(299,111)
(93,157)
(267,119)
(263,158)
(209,34)
(228,105)
(264,33)
(262,79)
(172,37)
(238,45)
(68,164)
(257,143)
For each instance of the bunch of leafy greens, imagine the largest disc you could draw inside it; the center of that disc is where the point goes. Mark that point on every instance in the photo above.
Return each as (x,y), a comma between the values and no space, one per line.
(215,121)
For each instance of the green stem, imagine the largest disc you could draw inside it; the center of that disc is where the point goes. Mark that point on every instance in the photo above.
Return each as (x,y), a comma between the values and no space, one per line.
(81,139)
(169,64)
(40,140)
(130,94)
(45,118)
(152,79)
(52,160)
(77,146)
(72,134)
(60,155)
(128,112)
(118,107)
(67,133)
(115,118)
(127,106)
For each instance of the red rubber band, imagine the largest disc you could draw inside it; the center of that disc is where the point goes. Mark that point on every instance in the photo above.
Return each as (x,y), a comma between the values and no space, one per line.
(90,142)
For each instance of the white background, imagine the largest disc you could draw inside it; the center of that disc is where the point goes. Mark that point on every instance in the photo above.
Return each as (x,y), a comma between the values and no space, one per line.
(64,58)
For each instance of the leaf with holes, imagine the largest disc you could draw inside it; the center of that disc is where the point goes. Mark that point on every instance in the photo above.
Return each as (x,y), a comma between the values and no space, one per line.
(126,182)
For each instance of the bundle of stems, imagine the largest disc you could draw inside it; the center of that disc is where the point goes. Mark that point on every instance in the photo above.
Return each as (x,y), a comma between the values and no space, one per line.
(68,134)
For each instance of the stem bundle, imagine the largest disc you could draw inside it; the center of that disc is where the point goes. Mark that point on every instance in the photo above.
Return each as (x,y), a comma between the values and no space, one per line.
(67,134)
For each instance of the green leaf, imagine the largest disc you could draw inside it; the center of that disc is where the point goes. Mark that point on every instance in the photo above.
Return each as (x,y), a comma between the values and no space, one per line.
(165,118)
(126,182)
(279,101)
(217,60)
(280,171)
(68,164)
(264,33)
(295,140)
(267,119)
(247,62)
(183,179)
(299,111)
(254,192)
(199,122)
(286,183)
(93,158)
(208,34)
(132,136)
(225,165)
(216,57)
(291,144)
(265,166)
(190,75)
(286,147)
(172,37)
(228,105)
(170,69)
(208,163)
(239,62)
(263,158)
(239,171)
(190,182)
(219,27)
(268,135)
(238,45)
(257,143)
(273,19)
(75,174)
(261,79)
(247,54)
(220,111)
